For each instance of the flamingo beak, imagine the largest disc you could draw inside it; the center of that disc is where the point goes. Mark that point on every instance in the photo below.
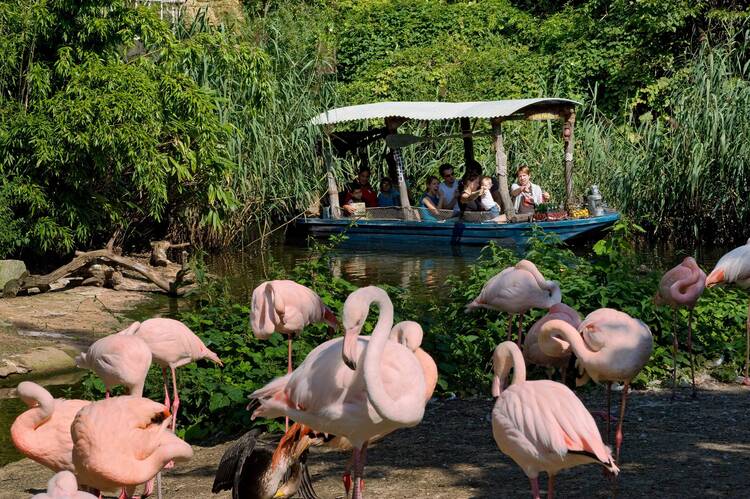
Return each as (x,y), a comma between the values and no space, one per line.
(330,318)
(714,278)
(349,353)
(496,386)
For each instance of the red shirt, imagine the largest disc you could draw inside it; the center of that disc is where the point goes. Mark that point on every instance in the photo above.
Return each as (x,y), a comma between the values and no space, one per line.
(368,197)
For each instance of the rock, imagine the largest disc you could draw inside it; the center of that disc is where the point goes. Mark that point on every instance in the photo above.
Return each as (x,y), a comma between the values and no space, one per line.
(10,270)
(42,360)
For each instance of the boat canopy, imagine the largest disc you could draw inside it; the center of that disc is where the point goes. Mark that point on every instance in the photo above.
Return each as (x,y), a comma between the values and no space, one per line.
(507,109)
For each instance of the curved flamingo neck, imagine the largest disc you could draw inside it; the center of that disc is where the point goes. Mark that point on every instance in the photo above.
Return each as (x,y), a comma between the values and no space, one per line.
(555,329)
(276,298)
(34,395)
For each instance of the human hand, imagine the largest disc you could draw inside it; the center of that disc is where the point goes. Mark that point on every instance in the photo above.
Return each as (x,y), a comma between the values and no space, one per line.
(545,196)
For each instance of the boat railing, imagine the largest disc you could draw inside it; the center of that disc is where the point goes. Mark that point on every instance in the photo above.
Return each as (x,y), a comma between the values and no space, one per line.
(419,214)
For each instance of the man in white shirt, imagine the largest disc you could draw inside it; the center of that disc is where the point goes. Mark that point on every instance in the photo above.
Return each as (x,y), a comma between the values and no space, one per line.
(448,189)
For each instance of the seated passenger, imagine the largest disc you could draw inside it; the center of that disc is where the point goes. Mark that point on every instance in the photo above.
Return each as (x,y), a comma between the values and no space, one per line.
(449,188)
(355,196)
(369,197)
(430,203)
(388,196)
(525,194)
(470,192)
(487,202)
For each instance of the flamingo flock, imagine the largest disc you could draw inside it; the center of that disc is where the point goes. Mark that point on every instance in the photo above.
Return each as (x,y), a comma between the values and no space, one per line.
(353,390)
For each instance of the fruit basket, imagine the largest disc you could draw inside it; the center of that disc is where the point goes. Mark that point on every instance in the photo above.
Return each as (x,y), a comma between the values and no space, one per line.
(547,212)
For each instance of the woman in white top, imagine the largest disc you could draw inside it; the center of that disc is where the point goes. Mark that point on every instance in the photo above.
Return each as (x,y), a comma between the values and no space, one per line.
(525,194)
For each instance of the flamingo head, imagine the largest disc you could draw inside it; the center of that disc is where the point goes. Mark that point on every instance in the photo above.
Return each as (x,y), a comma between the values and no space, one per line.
(355,314)
(330,318)
(208,354)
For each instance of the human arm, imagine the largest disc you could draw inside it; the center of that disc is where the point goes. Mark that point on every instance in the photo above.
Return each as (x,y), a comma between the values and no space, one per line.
(430,205)
(516,189)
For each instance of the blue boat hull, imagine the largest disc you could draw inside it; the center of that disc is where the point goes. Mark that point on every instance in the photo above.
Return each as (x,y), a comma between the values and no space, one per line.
(448,232)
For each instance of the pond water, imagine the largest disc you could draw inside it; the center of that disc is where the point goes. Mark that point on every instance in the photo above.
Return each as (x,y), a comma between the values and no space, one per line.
(422,271)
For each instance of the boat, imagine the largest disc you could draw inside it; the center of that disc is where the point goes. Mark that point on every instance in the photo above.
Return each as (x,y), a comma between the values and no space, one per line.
(404,224)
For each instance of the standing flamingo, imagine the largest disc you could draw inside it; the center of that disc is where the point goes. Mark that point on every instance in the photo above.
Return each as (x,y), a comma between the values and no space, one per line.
(516,290)
(42,433)
(63,486)
(681,286)
(532,352)
(355,387)
(286,307)
(541,424)
(734,267)
(173,345)
(610,346)
(119,359)
(123,442)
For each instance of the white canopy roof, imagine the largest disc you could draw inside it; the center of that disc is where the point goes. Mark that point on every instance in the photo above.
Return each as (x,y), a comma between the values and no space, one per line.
(436,110)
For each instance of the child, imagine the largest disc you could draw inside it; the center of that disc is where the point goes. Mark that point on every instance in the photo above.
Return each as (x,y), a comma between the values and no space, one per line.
(388,196)
(485,198)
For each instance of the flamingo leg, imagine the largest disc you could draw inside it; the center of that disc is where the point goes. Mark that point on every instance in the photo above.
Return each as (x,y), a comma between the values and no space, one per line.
(166,390)
(609,410)
(690,351)
(106,393)
(564,374)
(175,399)
(535,487)
(746,381)
(618,435)
(520,329)
(674,354)
(550,486)
(288,370)
(148,488)
(360,456)
(158,486)
(510,327)
(347,477)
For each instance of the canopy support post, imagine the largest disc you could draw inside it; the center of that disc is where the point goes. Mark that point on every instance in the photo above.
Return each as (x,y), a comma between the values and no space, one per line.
(501,166)
(392,125)
(569,139)
(333,190)
(468,140)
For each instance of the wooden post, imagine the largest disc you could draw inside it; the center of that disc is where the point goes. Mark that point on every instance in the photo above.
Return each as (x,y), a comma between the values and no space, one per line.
(392,125)
(569,139)
(501,165)
(333,190)
(468,140)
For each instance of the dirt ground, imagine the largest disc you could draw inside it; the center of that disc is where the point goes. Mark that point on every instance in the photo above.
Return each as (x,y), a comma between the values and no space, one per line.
(682,449)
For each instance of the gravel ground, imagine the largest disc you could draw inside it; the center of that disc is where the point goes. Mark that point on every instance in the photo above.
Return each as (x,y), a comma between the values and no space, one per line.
(682,449)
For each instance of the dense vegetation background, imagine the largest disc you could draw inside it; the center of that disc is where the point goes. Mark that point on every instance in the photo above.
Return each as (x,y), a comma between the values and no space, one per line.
(113,121)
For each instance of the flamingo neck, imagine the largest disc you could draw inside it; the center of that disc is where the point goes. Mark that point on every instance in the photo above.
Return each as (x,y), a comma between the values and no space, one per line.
(508,356)
(557,331)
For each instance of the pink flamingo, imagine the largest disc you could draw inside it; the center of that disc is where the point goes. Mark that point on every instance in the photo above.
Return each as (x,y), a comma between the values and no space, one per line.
(610,346)
(734,267)
(355,387)
(63,486)
(42,433)
(173,345)
(286,307)
(541,424)
(121,442)
(681,286)
(119,359)
(532,352)
(516,290)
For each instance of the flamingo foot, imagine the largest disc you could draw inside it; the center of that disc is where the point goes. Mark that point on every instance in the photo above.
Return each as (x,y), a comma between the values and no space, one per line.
(148,489)
(169,465)
(123,494)
(347,479)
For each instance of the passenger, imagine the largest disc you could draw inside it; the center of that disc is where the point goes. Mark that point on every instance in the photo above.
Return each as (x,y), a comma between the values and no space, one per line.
(487,202)
(449,189)
(526,195)
(355,196)
(470,191)
(369,197)
(388,196)
(430,203)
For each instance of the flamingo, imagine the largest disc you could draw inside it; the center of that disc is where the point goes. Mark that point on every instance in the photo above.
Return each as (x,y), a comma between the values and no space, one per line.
(63,486)
(286,307)
(254,469)
(541,424)
(172,345)
(119,359)
(123,442)
(610,346)
(532,352)
(734,268)
(681,286)
(355,387)
(42,433)
(516,290)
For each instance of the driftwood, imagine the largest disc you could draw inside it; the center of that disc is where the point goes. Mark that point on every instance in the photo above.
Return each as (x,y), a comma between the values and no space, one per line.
(84,264)
(159,252)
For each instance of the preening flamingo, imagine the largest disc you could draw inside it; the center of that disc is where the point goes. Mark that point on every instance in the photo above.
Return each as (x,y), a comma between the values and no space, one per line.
(355,387)
(516,290)
(42,433)
(734,268)
(173,345)
(63,486)
(533,354)
(541,424)
(681,286)
(256,469)
(119,359)
(123,442)
(610,346)
(286,307)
